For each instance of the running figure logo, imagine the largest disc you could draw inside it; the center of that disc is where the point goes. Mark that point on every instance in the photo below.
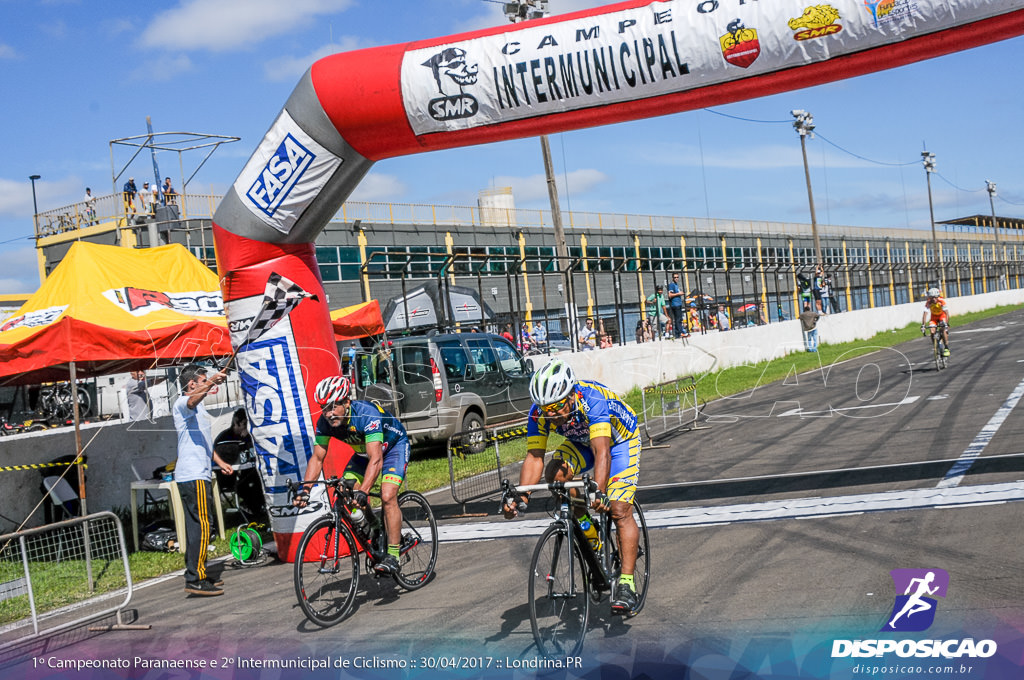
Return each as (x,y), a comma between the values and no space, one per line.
(914,610)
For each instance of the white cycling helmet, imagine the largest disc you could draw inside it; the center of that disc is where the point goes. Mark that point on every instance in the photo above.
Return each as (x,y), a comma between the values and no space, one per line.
(332,390)
(933,292)
(552,383)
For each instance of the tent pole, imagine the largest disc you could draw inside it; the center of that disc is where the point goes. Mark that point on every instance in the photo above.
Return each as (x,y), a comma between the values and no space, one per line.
(78,434)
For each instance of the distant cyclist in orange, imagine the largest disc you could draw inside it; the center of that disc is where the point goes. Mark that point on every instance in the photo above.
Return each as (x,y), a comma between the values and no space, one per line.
(936,315)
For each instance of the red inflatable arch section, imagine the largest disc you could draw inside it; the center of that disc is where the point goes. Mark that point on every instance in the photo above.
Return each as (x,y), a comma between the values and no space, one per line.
(616,63)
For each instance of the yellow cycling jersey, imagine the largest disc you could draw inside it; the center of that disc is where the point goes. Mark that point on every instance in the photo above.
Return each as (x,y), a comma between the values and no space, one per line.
(599,413)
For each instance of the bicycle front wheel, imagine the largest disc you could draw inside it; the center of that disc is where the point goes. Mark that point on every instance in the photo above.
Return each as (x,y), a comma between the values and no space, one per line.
(936,353)
(326,572)
(559,604)
(418,551)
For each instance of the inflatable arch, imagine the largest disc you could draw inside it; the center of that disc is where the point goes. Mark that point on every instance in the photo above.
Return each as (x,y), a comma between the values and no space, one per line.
(621,62)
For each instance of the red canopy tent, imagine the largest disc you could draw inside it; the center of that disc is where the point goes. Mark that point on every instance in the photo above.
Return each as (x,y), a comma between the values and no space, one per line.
(107,309)
(357,321)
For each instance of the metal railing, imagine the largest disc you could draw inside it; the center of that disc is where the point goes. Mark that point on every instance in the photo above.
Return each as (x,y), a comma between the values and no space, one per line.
(475,469)
(670,407)
(81,561)
(196,205)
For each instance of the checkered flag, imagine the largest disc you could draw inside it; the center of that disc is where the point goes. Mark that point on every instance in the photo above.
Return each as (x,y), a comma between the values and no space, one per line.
(279,298)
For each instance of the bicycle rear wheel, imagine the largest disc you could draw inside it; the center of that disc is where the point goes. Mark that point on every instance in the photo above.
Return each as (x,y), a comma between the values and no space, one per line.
(419,541)
(326,572)
(642,570)
(559,603)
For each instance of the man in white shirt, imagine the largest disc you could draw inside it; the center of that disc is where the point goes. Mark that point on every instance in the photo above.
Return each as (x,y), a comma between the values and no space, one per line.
(192,472)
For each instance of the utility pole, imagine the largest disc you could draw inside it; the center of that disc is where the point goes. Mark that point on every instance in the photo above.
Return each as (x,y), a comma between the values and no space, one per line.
(928,160)
(525,10)
(991,187)
(804,125)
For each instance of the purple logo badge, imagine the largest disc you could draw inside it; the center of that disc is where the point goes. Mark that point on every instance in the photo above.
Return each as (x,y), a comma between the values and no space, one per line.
(916,590)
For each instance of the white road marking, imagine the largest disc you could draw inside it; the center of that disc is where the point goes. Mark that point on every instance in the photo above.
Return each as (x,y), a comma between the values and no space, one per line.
(967,458)
(800,412)
(794,508)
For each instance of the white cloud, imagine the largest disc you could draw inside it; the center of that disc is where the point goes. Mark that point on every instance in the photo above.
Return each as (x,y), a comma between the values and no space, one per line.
(16,196)
(7,52)
(291,68)
(377,187)
(231,24)
(21,271)
(535,187)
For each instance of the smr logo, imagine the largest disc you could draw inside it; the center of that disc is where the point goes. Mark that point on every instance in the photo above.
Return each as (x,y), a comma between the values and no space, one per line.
(914,610)
(451,63)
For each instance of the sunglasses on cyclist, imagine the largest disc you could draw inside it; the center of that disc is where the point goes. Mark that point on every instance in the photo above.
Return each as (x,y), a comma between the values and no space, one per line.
(555,408)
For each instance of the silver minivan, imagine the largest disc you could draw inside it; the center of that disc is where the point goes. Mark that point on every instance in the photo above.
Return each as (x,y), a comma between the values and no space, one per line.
(441,384)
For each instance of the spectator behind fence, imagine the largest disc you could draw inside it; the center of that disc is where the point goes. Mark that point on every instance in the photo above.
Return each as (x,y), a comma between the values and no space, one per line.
(819,276)
(90,207)
(675,307)
(605,337)
(723,318)
(809,322)
(656,310)
(192,472)
(128,192)
(170,196)
(140,404)
(588,336)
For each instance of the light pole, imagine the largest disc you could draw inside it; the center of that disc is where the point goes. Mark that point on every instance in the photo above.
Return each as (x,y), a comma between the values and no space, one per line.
(35,206)
(991,187)
(928,160)
(804,125)
(525,10)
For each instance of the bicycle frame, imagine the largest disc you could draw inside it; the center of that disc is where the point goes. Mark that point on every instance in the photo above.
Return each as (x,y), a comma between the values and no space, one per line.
(340,512)
(599,567)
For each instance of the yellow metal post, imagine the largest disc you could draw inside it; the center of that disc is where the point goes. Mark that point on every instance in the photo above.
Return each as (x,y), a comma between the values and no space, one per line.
(892,281)
(586,276)
(846,266)
(526,278)
(871,279)
(910,274)
(362,261)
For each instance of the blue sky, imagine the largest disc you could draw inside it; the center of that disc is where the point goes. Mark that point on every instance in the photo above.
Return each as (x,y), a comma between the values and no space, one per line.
(76,74)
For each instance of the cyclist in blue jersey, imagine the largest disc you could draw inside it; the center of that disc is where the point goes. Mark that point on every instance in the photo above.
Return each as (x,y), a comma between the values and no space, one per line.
(380,444)
(601,434)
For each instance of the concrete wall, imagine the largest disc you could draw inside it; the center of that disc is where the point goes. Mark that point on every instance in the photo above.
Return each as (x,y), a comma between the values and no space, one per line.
(114,444)
(109,447)
(623,368)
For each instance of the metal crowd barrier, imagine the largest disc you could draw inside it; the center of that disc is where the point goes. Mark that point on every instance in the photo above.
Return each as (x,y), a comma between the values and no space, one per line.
(86,556)
(670,407)
(475,469)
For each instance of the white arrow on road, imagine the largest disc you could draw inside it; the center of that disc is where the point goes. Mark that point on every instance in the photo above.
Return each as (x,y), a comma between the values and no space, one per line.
(799,411)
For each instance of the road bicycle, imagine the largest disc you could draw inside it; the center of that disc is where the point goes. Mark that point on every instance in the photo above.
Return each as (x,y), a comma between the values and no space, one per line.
(56,405)
(567,574)
(327,561)
(938,347)
(7,428)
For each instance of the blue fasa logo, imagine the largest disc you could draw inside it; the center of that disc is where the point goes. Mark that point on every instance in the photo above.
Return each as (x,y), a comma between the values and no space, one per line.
(280,175)
(916,590)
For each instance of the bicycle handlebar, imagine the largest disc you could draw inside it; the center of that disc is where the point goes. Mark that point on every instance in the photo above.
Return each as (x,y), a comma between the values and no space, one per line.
(515,493)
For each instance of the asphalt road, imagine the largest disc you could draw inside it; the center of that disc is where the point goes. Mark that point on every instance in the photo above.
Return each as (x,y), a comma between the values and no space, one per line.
(774,531)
